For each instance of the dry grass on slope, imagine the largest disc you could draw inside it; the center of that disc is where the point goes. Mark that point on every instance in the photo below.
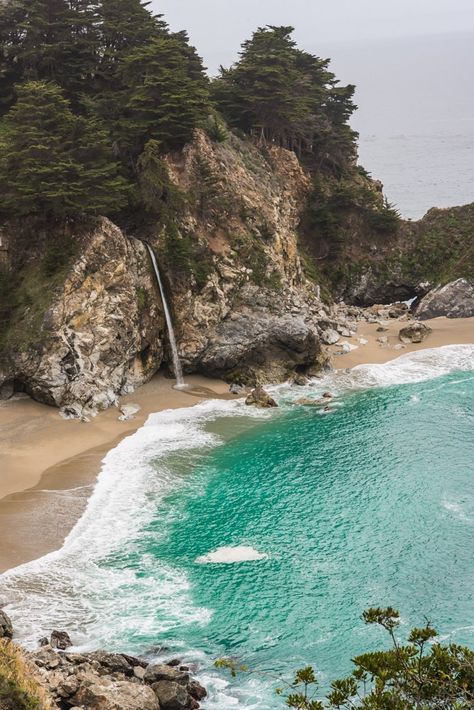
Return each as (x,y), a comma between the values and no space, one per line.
(19,690)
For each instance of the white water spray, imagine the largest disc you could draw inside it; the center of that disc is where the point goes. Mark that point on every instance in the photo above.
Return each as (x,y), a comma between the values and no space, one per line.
(178,370)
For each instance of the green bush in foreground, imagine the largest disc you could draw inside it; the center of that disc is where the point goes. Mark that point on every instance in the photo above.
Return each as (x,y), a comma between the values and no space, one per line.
(421,674)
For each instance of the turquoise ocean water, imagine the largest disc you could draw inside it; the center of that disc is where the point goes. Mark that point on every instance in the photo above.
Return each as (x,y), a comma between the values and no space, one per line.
(370,504)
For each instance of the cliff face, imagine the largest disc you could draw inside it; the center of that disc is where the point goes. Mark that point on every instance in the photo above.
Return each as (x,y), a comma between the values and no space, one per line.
(255,316)
(100,333)
(408,262)
(242,306)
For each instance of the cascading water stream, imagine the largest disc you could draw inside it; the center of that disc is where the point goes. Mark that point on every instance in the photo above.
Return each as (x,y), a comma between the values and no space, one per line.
(178,370)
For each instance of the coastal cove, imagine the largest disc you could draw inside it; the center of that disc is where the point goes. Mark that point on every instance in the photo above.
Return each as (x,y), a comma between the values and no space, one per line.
(236,372)
(50,465)
(150,582)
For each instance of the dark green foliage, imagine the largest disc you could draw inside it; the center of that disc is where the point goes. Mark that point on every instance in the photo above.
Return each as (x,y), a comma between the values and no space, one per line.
(284,95)
(384,220)
(421,674)
(165,100)
(208,189)
(215,129)
(158,195)
(127,79)
(52,162)
(184,256)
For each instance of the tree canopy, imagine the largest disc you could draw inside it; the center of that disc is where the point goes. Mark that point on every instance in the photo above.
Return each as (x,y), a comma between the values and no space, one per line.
(287,96)
(117,79)
(84,85)
(53,162)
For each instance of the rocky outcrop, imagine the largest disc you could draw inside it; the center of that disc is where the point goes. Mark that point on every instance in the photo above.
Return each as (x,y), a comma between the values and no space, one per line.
(454,300)
(101,680)
(6,628)
(255,319)
(414,333)
(403,263)
(102,334)
(260,398)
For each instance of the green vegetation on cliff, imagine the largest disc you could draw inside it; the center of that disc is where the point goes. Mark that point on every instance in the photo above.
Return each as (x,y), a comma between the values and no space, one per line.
(84,86)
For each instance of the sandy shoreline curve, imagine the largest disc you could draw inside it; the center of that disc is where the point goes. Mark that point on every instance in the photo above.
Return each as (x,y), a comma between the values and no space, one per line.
(48,466)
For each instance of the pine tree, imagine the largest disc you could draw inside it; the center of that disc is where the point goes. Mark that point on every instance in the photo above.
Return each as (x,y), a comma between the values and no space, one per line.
(288,97)
(166,102)
(53,163)
(49,40)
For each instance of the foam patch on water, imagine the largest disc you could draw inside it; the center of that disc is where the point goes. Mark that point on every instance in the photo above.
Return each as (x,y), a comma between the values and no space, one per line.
(232,555)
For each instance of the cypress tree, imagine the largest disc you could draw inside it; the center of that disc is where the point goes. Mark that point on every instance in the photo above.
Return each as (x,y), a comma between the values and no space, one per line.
(49,40)
(53,163)
(166,101)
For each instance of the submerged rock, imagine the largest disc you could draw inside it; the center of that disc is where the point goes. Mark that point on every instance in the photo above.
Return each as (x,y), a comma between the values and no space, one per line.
(259,398)
(414,333)
(454,300)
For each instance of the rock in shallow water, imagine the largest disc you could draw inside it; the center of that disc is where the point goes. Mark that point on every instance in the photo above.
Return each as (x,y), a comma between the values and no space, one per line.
(261,399)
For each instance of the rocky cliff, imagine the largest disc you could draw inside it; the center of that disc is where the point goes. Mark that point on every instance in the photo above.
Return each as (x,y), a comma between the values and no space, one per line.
(87,326)
(96,334)
(405,262)
(242,305)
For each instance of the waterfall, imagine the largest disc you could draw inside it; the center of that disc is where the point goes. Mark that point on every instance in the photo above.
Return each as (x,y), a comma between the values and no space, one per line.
(178,371)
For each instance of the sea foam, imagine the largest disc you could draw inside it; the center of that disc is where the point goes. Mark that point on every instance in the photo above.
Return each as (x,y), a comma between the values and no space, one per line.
(230,555)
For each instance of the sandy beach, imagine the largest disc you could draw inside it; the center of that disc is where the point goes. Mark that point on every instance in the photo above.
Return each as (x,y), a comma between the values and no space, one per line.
(48,465)
(446,331)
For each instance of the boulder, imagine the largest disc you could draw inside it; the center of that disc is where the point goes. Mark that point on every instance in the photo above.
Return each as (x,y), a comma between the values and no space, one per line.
(108,694)
(261,399)
(454,300)
(196,690)
(414,333)
(157,672)
(256,345)
(171,696)
(6,628)
(60,640)
(398,310)
(112,662)
(330,336)
(128,412)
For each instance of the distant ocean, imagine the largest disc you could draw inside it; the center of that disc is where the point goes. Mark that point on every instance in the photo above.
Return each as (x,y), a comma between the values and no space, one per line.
(415,115)
(421,171)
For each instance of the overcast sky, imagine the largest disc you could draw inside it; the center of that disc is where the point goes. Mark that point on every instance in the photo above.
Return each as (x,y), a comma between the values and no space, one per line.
(217,27)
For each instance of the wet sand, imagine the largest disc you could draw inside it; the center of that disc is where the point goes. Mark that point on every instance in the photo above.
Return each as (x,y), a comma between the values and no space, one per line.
(48,466)
(446,331)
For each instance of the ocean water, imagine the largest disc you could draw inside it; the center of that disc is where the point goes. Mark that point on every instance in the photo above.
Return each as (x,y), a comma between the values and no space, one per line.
(221,530)
(422,170)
